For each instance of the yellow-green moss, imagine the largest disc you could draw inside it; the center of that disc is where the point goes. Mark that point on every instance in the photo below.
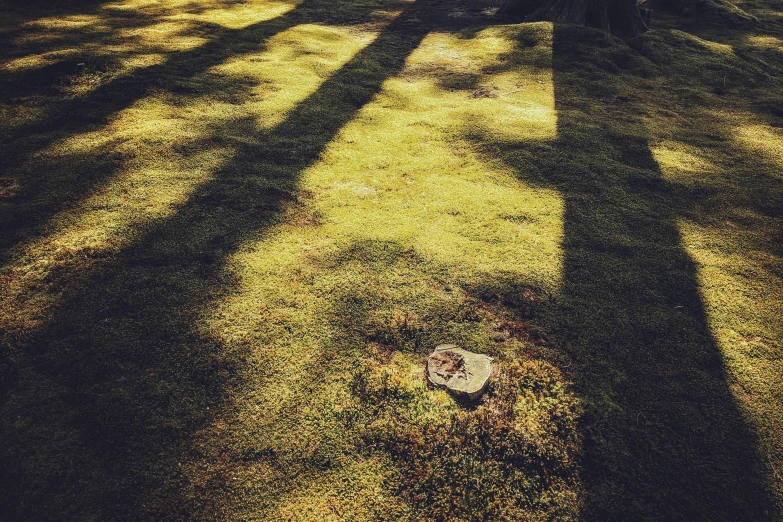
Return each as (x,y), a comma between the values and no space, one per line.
(232,231)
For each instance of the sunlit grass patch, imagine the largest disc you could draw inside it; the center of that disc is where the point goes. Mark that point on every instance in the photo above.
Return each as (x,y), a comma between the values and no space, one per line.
(308,53)
(232,15)
(68,22)
(417,179)
(764,140)
(679,162)
(163,36)
(766,41)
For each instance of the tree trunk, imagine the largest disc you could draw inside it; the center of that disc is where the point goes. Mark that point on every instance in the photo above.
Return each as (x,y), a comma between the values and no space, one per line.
(620,17)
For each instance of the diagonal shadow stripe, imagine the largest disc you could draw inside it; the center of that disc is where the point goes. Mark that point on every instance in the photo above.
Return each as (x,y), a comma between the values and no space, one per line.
(665,439)
(128,375)
(94,110)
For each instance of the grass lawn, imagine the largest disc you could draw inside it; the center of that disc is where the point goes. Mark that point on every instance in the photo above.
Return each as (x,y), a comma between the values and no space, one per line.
(232,231)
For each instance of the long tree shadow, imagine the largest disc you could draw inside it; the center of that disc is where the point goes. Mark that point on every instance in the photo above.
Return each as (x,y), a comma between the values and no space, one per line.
(109,391)
(664,437)
(41,193)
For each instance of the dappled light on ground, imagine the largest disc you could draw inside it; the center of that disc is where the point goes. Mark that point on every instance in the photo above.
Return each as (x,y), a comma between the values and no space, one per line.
(233,231)
(162,148)
(733,238)
(391,224)
(764,140)
(308,53)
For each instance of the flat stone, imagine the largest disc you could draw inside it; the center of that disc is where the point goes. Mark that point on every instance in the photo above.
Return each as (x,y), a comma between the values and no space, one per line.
(463,373)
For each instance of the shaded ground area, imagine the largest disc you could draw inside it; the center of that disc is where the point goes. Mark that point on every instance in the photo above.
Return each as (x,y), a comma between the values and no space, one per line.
(657,395)
(233,231)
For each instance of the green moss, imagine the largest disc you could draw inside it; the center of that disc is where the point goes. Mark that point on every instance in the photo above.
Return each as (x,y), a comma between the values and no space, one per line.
(232,237)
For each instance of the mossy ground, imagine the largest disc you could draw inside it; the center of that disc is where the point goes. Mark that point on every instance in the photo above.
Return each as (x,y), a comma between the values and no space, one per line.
(233,230)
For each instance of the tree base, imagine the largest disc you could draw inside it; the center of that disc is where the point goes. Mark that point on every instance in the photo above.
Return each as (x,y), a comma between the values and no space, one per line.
(620,17)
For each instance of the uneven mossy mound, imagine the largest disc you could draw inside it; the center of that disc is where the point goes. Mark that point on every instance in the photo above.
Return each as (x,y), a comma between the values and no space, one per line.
(716,12)
(514,456)
(697,62)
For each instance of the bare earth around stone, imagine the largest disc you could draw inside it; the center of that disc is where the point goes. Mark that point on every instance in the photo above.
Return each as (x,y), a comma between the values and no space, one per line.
(463,373)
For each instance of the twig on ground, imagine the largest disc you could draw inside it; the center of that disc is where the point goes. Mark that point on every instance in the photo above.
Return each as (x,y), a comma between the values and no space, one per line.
(774,469)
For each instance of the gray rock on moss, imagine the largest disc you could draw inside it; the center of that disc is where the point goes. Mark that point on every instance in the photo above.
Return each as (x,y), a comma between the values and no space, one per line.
(463,373)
